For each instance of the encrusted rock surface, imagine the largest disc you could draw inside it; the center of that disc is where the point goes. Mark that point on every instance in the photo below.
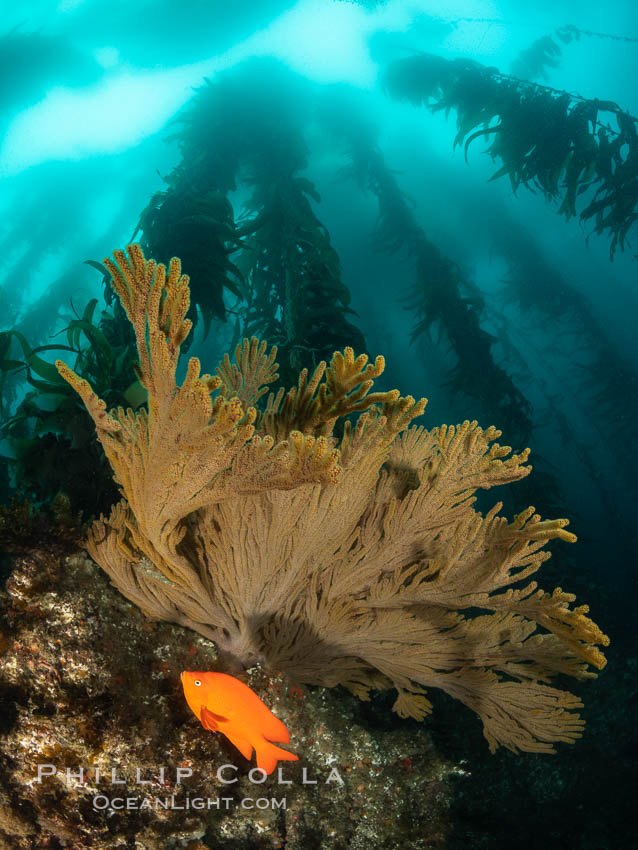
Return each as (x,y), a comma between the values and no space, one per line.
(87,682)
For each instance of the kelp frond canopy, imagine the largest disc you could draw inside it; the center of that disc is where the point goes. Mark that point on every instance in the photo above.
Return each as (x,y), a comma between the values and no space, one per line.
(542,137)
(357,560)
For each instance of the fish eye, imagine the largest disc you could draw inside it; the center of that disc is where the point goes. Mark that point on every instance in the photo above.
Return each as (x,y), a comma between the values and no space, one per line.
(197,682)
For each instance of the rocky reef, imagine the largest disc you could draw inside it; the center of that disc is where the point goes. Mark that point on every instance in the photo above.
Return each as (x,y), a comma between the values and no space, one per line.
(88,684)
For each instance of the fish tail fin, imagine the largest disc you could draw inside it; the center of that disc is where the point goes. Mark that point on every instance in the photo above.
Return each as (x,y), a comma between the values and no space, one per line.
(268,755)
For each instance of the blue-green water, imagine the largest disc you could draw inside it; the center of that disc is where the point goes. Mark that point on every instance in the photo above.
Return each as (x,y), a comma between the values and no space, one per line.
(500,282)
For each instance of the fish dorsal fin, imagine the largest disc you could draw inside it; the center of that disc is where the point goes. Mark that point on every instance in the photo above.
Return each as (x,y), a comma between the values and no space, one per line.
(211,721)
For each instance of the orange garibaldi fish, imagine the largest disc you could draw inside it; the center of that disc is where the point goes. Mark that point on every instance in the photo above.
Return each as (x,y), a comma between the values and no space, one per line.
(226,705)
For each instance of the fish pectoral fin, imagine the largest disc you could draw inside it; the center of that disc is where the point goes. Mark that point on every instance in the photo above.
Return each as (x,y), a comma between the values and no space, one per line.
(210,720)
(243,745)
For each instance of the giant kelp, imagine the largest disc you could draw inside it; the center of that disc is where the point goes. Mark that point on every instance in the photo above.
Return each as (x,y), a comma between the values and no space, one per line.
(602,377)
(200,224)
(296,296)
(246,130)
(442,297)
(543,138)
(533,60)
(193,216)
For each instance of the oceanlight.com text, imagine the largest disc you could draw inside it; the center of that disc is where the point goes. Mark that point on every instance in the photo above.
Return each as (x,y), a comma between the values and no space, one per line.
(102,802)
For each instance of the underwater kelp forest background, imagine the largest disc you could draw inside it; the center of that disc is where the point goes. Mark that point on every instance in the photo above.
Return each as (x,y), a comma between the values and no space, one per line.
(451,186)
